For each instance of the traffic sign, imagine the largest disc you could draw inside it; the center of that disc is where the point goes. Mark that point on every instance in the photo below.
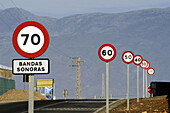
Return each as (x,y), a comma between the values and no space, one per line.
(65,93)
(149,90)
(30,39)
(30,66)
(107,52)
(127,57)
(137,59)
(148,65)
(151,71)
(144,64)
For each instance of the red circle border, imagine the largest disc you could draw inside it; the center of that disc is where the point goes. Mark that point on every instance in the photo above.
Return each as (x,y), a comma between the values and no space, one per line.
(127,52)
(151,68)
(107,60)
(46,39)
(141,59)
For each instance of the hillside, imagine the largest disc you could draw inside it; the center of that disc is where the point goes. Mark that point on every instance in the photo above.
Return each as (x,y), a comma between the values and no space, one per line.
(145,32)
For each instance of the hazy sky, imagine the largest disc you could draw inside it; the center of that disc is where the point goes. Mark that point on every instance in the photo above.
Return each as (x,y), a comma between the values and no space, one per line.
(61,8)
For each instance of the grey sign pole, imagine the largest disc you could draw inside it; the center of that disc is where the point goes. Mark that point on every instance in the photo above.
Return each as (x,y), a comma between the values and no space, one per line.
(31,94)
(137,83)
(146,82)
(127,86)
(107,87)
(143,83)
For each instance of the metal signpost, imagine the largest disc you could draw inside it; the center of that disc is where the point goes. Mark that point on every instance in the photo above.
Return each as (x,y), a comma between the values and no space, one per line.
(143,65)
(127,58)
(30,39)
(151,71)
(146,75)
(107,53)
(137,61)
(150,91)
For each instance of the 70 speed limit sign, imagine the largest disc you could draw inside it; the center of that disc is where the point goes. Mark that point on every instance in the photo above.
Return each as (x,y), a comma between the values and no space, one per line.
(107,52)
(30,39)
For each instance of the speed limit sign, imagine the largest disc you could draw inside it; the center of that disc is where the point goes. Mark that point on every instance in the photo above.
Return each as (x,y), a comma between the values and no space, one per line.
(127,57)
(107,52)
(148,65)
(30,39)
(151,71)
(137,59)
(144,64)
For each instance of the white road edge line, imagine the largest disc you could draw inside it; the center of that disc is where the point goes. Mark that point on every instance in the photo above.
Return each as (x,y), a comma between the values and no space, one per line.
(46,106)
(100,109)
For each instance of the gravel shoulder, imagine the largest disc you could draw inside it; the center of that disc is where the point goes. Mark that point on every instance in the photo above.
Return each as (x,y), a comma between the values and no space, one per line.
(147,105)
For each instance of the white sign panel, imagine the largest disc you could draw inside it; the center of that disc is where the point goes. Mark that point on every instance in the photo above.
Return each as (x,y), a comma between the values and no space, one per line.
(144,64)
(30,66)
(151,71)
(127,57)
(137,59)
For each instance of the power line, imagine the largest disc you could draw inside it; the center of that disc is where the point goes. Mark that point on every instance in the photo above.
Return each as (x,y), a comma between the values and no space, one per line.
(9,12)
(18,8)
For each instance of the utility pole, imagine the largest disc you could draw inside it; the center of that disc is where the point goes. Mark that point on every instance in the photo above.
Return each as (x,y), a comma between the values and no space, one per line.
(103,86)
(78,89)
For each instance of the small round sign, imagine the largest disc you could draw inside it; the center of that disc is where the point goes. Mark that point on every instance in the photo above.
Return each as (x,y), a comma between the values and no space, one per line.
(149,90)
(137,59)
(148,65)
(107,52)
(127,57)
(30,39)
(144,64)
(151,71)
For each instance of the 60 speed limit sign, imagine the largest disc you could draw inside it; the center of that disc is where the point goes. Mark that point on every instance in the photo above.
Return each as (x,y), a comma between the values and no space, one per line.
(107,52)
(30,39)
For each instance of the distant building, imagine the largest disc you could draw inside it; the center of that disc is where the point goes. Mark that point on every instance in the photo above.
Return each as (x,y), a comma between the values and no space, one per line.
(7,80)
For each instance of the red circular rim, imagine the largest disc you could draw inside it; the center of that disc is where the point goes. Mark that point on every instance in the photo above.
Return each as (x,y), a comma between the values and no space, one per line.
(148,65)
(125,53)
(145,66)
(153,70)
(149,90)
(46,39)
(107,60)
(140,57)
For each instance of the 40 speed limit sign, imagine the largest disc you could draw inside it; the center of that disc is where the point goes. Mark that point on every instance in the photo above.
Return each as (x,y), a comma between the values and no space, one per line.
(107,52)
(30,39)
(137,59)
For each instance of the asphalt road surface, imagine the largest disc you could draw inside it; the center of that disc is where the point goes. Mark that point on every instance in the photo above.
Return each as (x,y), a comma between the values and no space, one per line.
(56,106)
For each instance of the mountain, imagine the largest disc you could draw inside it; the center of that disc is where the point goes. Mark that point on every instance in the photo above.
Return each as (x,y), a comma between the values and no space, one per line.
(144,32)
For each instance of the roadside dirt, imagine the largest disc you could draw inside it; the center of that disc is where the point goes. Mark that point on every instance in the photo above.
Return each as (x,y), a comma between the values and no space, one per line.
(19,95)
(146,105)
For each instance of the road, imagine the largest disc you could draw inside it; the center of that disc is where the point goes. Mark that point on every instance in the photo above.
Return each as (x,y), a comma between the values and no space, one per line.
(56,106)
